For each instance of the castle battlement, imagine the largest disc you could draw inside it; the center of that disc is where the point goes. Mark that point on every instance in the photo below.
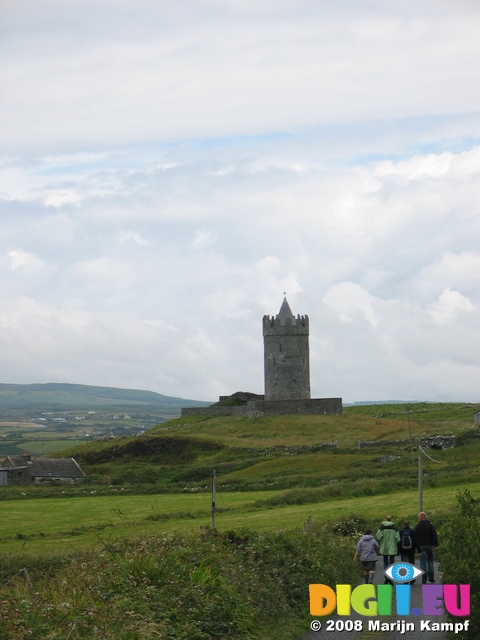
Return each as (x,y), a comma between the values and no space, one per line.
(272,325)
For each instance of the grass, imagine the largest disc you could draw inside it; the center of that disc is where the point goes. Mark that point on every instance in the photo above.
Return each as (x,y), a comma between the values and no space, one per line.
(365,422)
(51,526)
(48,445)
(69,524)
(271,473)
(241,585)
(280,452)
(138,529)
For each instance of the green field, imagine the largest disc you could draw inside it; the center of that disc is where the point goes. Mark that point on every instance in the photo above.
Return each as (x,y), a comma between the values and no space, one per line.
(139,527)
(64,525)
(271,473)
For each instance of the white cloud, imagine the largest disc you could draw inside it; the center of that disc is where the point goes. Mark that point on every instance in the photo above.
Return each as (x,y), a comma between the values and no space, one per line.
(131,236)
(449,305)
(110,278)
(246,69)
(203,239)
(453,270)
(58,198)
(23,260)
(418,167)
(349,300)
(168,179)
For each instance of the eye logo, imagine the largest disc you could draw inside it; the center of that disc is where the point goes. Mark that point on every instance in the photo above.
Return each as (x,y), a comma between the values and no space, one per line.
(402,572)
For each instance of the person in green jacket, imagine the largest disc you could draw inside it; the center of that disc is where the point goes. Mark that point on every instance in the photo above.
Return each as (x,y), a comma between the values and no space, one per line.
(388,539)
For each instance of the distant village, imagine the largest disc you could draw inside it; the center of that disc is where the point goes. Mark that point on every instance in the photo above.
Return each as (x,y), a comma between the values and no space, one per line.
(26,441)
(49,417)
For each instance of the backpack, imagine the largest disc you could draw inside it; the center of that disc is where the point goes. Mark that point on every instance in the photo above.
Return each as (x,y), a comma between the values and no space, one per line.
(407,542)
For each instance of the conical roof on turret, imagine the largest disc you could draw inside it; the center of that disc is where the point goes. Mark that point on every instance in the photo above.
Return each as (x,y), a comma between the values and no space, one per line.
(285,312)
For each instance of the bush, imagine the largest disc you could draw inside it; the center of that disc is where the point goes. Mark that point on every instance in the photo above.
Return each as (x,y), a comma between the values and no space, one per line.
(351,525)
(459,538)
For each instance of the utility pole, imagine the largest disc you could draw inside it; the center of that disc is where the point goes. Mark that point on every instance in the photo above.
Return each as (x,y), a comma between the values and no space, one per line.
(410,434)
(420,477)
(213,499)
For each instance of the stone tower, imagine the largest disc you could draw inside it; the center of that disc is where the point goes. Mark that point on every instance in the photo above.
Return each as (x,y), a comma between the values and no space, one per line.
(286,354)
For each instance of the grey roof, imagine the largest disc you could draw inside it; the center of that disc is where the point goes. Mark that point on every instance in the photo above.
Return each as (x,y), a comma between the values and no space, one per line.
(18,464)
(46,467)
(285,312)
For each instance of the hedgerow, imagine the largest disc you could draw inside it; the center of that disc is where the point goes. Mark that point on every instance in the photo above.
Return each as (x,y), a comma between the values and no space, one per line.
(460,554)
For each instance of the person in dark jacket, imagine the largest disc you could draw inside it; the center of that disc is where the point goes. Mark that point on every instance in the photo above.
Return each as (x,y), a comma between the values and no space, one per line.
(407,544)
(427,542)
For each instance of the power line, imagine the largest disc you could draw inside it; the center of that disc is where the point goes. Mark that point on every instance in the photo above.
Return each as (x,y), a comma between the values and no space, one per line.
(430,458)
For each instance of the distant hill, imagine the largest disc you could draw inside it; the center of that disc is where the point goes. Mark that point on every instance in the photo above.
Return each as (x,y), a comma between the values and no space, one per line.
(66,396)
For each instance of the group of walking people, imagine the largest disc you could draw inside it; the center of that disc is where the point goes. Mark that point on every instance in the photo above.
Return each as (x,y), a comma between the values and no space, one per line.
(389,542)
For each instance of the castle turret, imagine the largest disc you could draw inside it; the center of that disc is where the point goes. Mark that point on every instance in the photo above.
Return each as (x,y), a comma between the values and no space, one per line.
(286,356)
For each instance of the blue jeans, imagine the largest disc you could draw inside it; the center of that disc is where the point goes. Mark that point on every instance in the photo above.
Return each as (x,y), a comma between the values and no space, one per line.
(426,562)
(408,556)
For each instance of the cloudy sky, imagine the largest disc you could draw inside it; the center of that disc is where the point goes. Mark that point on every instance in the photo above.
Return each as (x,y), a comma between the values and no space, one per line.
(169,169)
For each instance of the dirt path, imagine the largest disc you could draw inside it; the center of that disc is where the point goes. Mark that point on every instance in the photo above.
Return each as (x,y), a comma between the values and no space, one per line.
(415,601)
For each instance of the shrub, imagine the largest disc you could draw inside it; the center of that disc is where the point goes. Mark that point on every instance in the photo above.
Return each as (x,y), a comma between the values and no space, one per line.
(351,525)
(459,538)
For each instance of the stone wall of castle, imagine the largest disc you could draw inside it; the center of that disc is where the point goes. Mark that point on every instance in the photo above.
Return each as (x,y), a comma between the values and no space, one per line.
(255,409)
(286,358)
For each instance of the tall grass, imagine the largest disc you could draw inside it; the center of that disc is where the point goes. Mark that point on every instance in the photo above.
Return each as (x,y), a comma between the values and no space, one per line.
(241,585)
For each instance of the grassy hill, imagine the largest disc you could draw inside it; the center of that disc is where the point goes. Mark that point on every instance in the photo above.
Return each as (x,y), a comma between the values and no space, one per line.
(285,452)
(76,396)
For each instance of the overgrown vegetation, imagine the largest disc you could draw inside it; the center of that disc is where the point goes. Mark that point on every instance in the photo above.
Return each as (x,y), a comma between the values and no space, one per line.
(241,585)
(460,554)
